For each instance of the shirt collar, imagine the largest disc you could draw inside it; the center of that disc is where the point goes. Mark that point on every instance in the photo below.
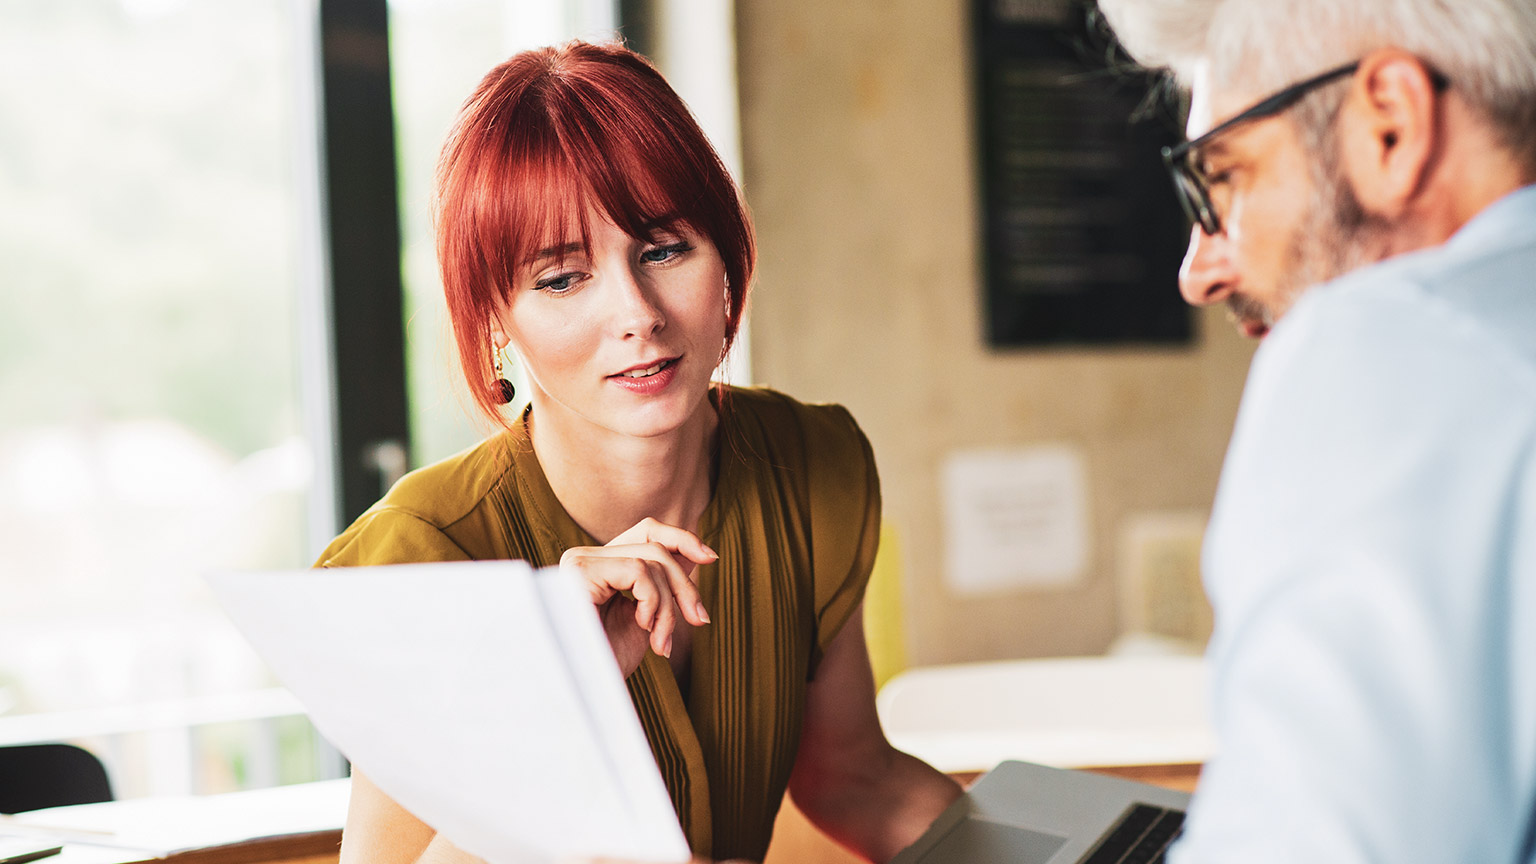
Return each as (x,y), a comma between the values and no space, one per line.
(1507,221)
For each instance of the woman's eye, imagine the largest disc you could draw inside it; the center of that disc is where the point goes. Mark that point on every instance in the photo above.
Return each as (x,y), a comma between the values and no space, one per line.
(557,284)
(662,254)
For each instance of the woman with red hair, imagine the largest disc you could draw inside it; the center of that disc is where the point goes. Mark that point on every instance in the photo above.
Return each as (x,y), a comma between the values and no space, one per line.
(587,230)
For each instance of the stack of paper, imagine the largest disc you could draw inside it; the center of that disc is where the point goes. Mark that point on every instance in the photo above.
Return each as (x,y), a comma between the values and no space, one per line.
(481,696)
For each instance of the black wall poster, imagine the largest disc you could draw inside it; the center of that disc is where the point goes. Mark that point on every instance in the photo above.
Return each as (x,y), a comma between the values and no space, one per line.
(1082,235)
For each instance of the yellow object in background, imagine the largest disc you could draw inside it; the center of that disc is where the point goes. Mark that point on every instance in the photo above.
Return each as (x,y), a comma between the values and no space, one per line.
(885,627)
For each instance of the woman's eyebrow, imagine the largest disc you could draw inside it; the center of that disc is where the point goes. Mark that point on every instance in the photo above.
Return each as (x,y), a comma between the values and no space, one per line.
(665,221)
(561,251)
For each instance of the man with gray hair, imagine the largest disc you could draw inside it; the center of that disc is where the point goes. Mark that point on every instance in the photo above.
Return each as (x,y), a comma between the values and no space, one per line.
(1359,174)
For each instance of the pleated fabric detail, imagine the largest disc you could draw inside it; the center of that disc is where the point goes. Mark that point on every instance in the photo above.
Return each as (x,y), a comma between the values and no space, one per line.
(727,753)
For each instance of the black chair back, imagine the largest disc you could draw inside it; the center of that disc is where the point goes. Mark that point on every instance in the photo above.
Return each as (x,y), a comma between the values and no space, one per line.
(34,776)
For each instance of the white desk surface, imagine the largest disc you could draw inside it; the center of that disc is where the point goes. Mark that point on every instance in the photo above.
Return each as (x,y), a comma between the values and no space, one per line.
(1066,712)
(150,829)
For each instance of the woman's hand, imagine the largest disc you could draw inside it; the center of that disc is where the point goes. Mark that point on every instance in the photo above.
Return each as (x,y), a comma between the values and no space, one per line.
(656,564)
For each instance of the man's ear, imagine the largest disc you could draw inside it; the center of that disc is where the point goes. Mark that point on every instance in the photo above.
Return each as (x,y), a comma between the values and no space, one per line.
(1389,130)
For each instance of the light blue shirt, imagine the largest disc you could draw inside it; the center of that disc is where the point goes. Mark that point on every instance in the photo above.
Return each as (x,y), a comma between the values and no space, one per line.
(1372,563)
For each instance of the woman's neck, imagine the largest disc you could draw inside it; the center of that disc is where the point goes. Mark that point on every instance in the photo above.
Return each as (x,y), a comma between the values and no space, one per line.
(608,481)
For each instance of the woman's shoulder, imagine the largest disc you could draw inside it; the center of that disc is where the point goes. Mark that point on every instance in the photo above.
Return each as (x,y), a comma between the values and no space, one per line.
(783,418)
(820,451)
(815,444)
(414,521)
(444,491)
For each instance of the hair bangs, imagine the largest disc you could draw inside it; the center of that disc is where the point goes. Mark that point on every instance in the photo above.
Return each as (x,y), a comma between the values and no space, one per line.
(635,170)
(547,205)
(549,138)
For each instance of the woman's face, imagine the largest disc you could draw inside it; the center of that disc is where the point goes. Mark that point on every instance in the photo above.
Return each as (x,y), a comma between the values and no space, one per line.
(625,338)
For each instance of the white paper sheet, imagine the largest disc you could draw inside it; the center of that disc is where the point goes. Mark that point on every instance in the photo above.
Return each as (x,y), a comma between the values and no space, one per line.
(481,696)
(148,829)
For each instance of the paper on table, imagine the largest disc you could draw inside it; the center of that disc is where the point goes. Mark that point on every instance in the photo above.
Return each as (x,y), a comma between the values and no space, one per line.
(16,851)
(481,696)
(149,829)
(161,827)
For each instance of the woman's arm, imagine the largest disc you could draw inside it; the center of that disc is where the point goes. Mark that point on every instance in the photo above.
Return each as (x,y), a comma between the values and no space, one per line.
(848,780)
(379,831)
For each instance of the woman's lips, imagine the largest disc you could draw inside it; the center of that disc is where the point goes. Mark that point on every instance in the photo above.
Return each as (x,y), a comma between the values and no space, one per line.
(647,380)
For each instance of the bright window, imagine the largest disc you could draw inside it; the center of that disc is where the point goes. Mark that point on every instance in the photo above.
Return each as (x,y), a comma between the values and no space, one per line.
(439,50)
(150,200)
(160,261)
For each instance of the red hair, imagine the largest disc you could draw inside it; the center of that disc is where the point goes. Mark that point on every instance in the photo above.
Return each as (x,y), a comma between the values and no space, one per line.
(544,136)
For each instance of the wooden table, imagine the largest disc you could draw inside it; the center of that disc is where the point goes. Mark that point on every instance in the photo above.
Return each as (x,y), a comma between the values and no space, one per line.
(316,850)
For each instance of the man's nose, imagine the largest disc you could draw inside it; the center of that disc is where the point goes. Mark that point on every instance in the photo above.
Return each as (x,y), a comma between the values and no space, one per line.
(1208,274)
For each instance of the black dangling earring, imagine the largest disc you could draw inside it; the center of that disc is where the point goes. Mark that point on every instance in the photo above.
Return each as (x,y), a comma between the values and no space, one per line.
(504,389)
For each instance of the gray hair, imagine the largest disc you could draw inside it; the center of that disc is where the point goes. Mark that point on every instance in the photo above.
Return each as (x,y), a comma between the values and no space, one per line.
(1487,48)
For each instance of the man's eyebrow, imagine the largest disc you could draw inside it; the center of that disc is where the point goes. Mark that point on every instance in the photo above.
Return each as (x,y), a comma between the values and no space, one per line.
(1202,155)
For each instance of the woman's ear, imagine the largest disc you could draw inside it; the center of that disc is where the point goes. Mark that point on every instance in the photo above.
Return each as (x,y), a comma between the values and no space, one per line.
(1389,130)
(498,327)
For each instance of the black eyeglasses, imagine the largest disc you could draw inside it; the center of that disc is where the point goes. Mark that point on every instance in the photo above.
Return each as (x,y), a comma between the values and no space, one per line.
(1189,181)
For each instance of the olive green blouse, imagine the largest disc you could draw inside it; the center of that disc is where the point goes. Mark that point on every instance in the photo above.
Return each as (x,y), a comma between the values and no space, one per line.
(795,517)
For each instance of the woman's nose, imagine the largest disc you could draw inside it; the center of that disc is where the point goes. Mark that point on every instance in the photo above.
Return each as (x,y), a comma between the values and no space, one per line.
(1209,274)
(636,313)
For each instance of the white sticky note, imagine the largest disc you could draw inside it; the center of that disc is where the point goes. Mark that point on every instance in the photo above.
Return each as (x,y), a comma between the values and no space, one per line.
(1016,519)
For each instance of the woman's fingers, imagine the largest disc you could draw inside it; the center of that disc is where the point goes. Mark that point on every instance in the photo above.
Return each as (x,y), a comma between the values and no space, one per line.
(686,549)
(680,581)
(609,570)
(678,540)
(668,568)
(655,564)
(657,608)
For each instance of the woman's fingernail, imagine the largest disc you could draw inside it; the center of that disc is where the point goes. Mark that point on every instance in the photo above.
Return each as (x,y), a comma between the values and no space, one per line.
(711,553)
(666,647)
(703,614)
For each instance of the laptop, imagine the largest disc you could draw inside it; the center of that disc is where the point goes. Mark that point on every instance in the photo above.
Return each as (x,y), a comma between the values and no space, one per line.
(1022,813)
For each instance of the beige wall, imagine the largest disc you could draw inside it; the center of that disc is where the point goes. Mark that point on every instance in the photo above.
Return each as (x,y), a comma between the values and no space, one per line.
(859,167)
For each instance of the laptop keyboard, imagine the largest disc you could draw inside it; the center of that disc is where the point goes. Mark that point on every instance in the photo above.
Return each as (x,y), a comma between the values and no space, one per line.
(1142,837)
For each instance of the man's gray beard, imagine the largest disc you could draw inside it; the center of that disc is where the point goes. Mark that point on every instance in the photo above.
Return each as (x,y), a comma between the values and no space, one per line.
(1336,236)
